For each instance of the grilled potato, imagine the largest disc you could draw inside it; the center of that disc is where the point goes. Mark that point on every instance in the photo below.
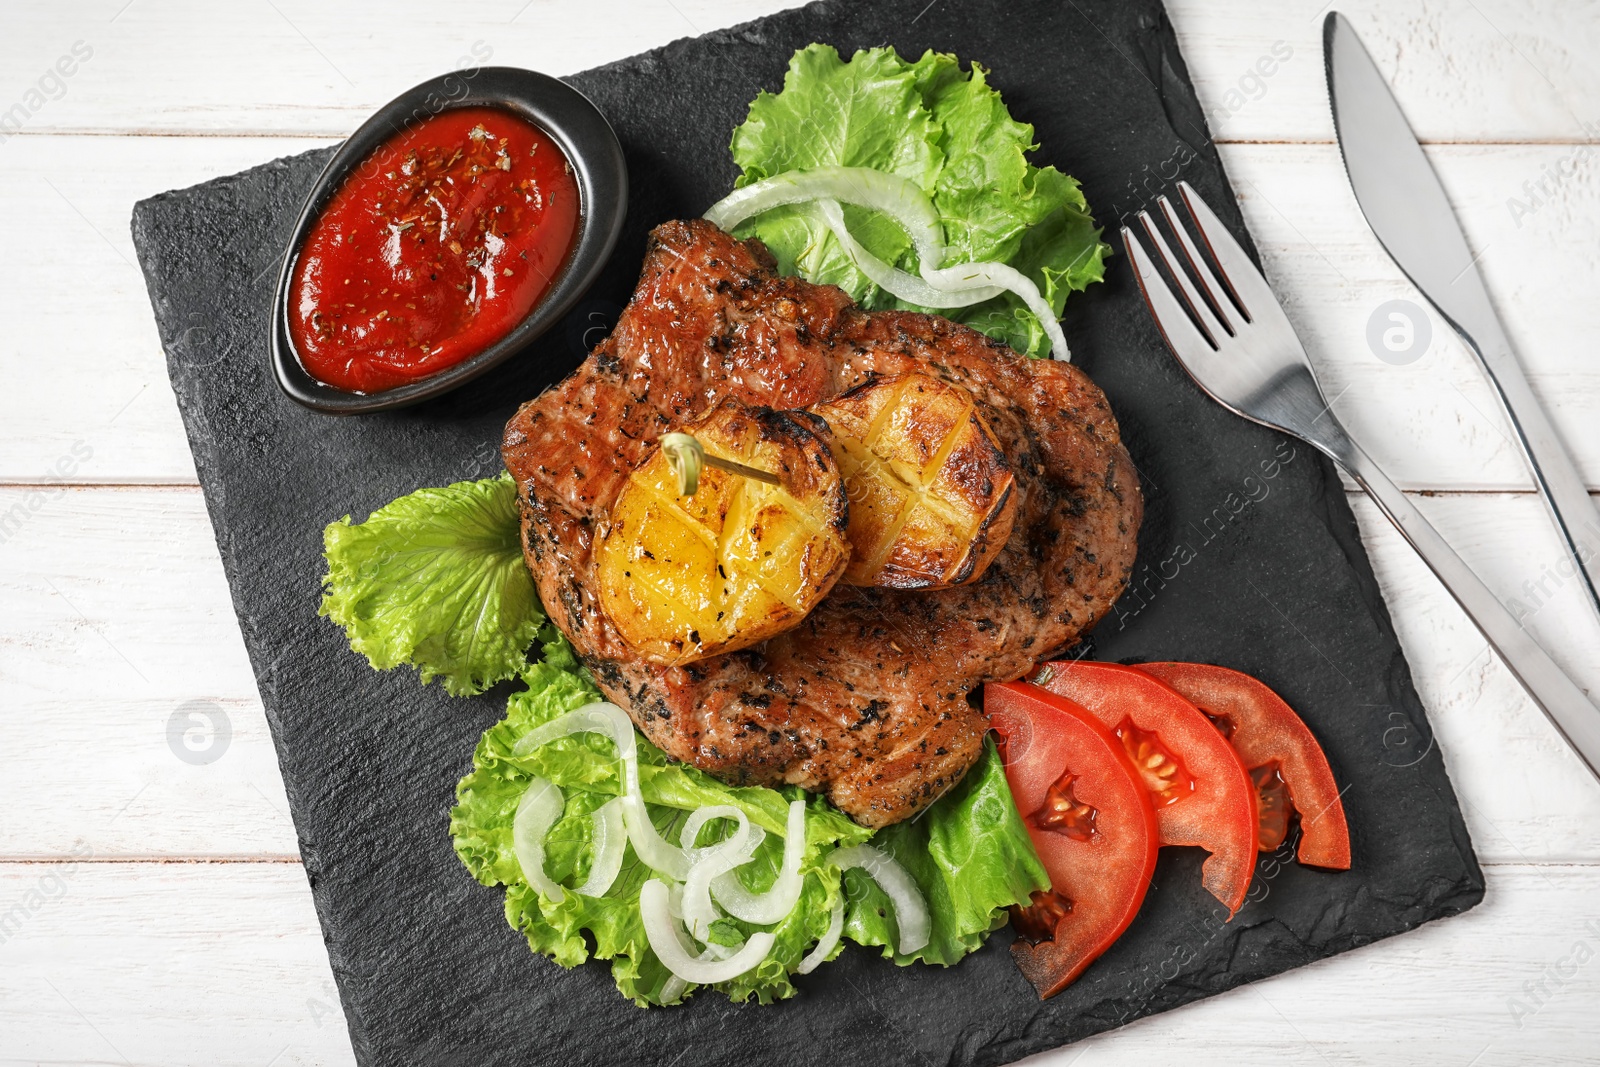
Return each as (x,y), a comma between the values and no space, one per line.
(683,578)
(932,498)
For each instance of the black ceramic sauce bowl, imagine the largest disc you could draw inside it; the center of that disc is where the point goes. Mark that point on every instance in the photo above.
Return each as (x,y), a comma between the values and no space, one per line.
(590,146)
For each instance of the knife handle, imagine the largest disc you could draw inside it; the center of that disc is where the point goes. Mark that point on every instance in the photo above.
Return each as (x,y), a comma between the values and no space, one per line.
(1557,694)
(1554,472)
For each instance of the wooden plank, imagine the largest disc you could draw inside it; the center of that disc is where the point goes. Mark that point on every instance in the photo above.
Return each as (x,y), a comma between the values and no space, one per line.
(148,777)
(1464,69)
(118,620)
(222,964)
(118,592)
(1433,423)
(119,630)
(164,963)
(301,67)
(86,377)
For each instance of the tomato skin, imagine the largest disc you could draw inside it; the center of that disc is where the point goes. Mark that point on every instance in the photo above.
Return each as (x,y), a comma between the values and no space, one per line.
(1104,874)
(1219,813)
(1266,729)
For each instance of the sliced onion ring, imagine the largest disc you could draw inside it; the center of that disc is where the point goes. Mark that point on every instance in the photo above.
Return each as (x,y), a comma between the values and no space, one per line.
(700,816)
(610,838)
(899,198)
(539,809)
(707,863)
(672,990)
(1006,277)
(948,287)
(661,931)
(606,718)
(777,902)
(830,938)
(907,287)
(912,210)
(910,910)
(703,892)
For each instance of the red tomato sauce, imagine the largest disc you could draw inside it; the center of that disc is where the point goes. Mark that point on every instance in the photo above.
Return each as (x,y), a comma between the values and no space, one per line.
(433,249)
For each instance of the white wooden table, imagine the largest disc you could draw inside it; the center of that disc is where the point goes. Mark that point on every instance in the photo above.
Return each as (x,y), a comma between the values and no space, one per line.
(153,909)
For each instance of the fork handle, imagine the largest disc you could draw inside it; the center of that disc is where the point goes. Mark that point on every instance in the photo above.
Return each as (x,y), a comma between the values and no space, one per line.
(1557,694)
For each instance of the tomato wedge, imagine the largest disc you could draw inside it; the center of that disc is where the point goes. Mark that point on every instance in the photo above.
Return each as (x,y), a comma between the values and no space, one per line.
(1091,822)
(1281,752)
(1200,789)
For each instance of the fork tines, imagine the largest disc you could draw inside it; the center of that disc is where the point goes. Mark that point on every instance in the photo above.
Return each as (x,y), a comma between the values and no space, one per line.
(1209,312)
(1223,307)
(1214,303)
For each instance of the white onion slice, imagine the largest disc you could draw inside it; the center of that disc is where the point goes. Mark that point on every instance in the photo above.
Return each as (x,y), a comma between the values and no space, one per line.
(538,810)
(907,287)
(702,889)
(707,863)
(966,275)
(675,909)
(910,910)
(696,822)
(606,718)
(778,901)
(700,816)
(591,718)
(610,839)
(661,931)
(948,287)
(672,990)
(912,210)
(830,937)
(899,198)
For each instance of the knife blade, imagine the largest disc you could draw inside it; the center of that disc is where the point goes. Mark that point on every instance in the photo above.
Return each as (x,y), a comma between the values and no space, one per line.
(1406,206)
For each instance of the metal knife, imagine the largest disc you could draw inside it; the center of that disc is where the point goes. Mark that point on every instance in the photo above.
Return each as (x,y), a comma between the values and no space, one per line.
(1406,207)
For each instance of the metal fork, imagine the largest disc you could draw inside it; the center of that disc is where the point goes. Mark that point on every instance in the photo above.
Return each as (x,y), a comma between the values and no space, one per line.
(1238,346)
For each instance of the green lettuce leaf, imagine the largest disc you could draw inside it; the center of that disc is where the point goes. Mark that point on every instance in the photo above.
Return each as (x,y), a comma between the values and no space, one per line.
(945,129)
(436,579)
(972,858)
(865,113)
(969,853)
(1062,254)
(585,768)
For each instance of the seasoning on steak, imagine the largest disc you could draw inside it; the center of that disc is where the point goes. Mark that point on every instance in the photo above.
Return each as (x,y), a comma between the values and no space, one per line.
(867,699)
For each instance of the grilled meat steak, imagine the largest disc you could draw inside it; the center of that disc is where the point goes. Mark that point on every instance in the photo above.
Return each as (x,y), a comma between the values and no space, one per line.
(867,699)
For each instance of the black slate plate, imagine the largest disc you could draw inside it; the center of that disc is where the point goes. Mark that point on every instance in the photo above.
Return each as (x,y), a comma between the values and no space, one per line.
(1249,557)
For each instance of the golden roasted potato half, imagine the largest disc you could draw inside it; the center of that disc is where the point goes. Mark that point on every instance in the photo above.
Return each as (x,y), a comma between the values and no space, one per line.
(683,578)
(932,498)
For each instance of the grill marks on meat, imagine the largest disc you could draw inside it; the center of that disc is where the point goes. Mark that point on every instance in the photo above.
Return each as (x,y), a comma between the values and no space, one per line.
(867,699)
